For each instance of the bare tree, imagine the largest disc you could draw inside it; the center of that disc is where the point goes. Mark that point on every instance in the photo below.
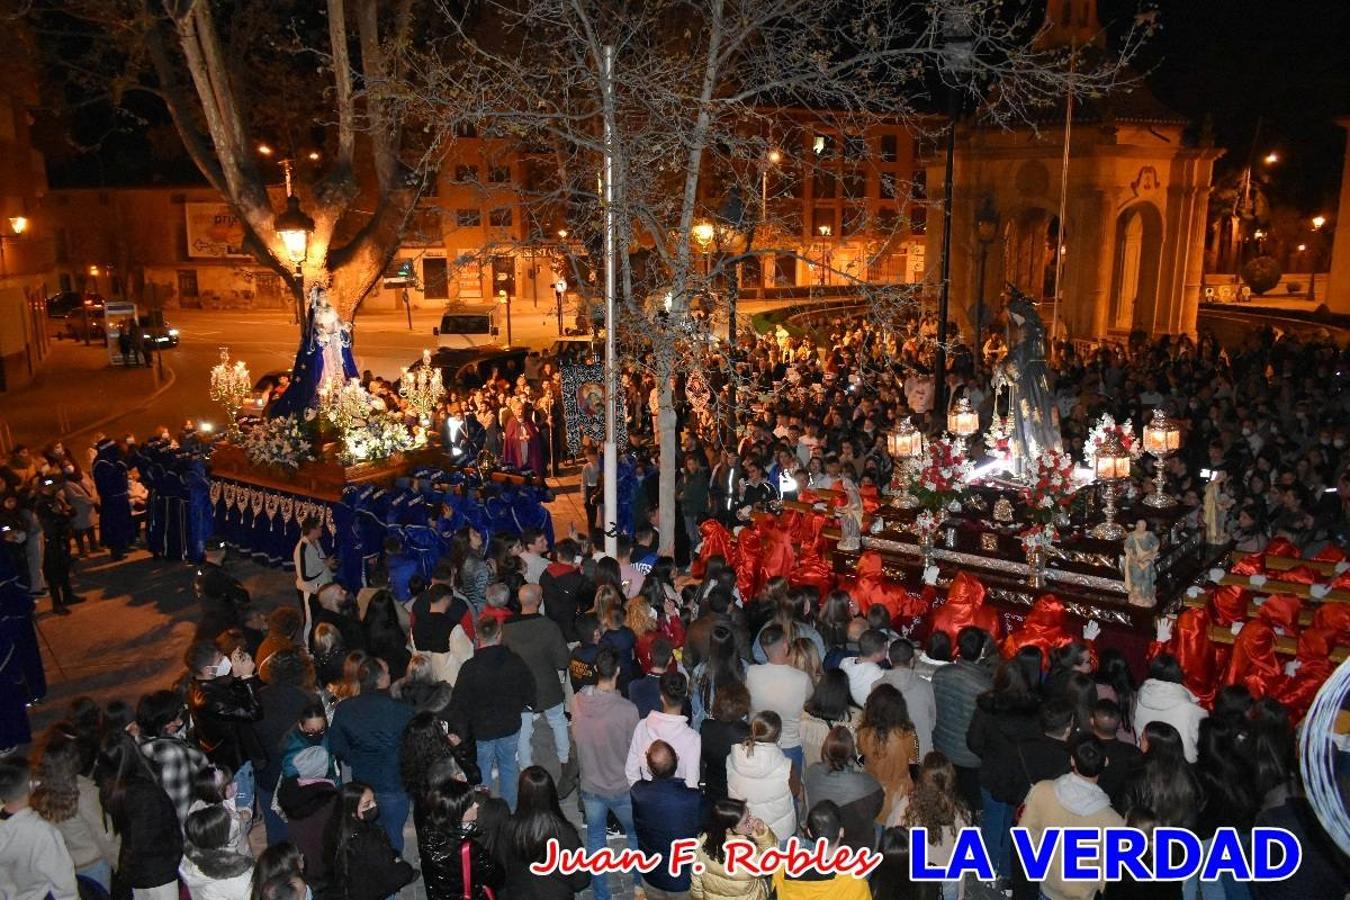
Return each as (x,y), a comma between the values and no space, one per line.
(307,77)
(702,92)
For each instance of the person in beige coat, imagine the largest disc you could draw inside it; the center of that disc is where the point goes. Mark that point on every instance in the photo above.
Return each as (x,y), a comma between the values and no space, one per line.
(731,823)
(1071,801)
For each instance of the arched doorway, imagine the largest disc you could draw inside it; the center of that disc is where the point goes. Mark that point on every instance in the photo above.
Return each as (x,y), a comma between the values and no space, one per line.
(1134,278)
(1031,247)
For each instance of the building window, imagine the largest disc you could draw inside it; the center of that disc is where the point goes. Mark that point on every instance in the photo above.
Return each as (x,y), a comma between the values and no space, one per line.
(435,278)
(468,218)
(824,146)
(886,186)
(822,222)
(500,218)
(855,185)
(187,282)
(465,130)
(825,186)
(855,147)
(466,174)
(884,223)
(499,174)
(890,148)
(855,220)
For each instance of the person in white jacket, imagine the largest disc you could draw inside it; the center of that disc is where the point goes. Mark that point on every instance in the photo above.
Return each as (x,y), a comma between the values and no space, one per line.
(759,773)
(1163,698)
(312,570)
(34,861)
(864,670)
(212,866)
(671,726)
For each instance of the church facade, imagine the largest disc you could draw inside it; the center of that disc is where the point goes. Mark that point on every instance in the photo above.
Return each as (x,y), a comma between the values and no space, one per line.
(1135,211)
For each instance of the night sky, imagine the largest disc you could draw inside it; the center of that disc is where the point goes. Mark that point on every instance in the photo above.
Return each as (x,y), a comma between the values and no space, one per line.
(1280,62)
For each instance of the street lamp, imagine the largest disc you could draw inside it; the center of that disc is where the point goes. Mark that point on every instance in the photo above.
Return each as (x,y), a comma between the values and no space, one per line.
(986,229)
(294,229)
(1271,158)
(772,158)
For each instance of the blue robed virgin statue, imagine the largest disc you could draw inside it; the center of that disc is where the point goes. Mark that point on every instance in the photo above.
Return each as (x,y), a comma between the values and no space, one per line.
(325,352)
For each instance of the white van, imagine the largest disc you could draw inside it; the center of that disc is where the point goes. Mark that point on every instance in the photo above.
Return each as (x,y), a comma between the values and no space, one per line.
(464,327)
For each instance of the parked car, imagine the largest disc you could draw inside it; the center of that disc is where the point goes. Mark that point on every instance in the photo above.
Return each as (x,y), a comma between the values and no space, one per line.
(471,368)
(69,303)
(159,337)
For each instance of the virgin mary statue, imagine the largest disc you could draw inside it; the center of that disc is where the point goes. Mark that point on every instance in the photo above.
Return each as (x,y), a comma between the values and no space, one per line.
(1026,374)
(325,352)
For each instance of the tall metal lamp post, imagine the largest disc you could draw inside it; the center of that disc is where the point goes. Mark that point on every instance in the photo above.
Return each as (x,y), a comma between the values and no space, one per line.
(957,43)
(986,229)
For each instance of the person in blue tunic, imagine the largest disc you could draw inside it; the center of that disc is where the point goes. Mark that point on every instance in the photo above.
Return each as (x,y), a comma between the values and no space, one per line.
(22,680)
(110,477)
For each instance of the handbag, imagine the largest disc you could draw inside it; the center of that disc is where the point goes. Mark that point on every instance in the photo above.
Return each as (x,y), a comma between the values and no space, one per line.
(466,868)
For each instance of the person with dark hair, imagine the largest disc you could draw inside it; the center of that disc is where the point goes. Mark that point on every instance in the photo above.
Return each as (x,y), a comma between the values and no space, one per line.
(1164,698)
(890,880)
(161,719)
(581,659)
(602,726)
(888,744)
(384,634)
(1162,781)
(313,569)
(34,861)
(729,822)
(363,864)
(222,698)
(645,692)
(1122,757)
(212,867)
(823,821)
(1073,800)
(665,810)
(1114,682)
(284,625)
(829,706)
(1080,691)
(455,861)
(956,688)
(670,725)
(524,840)
(283,697)
(1065,660)
(563,586)
(538,640)
(936,654)
(1007,716)
(494,690)
(840,778)
(917,691)
(722,662)
(425,753)
(143,816)
(864,670)
(278,869)
(726,728)
(781,688)
(366,732)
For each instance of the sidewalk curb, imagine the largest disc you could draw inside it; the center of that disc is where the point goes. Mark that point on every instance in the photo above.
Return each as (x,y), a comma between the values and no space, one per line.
(169,379)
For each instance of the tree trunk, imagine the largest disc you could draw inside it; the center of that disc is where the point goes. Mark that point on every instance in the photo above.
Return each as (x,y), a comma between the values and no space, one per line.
(666,424)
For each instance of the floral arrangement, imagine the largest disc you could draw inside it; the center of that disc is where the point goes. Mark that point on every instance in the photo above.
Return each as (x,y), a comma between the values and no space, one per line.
(1038,538)
(1052,490)
(926,525)
(998,439)
(345,405)
(378,437)
(1107,425)
(284,441)
(943,475)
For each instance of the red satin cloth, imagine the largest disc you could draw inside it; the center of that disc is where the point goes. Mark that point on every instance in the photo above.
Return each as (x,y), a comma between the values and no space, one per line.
(812,568)
(1334,618)
(1299,575)
(1228,604)
(749,561)
(965,606)
(1045,628)
(716,541)
(1197,654)
(1283,547)
(1315,667)
(871,588)
(778,557)
(1330,554)
(1280,611)
(1251,564)
(1253,662)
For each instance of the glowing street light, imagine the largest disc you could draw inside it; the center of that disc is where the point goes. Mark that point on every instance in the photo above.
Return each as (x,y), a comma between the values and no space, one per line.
(1318,222)
(19,224)
(1271,158)
(265,150)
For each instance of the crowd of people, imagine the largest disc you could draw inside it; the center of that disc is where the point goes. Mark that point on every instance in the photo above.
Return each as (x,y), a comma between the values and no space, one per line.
(522,680)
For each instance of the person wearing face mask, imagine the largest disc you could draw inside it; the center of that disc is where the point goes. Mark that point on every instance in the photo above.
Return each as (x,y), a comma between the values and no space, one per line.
(363,864)
(223,700)
(79,492)
(161,722)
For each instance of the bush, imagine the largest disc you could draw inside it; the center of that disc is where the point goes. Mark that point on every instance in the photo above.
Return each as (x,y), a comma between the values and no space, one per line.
(1261,274)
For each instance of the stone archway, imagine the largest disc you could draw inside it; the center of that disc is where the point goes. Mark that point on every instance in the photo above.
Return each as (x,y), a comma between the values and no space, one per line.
(1134,275)
(1030,247)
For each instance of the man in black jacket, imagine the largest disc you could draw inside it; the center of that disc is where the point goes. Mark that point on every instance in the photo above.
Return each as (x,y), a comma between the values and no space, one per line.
(493,691)
(223,699)
(282,698)
(562,584)
(665,810)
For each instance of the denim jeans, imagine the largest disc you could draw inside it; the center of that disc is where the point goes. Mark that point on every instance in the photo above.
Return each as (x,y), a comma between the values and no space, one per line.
(500,752)
(1226,887)
(100,872)
(277,829)
(556,721)
(394,807)
(596,806)
(798,757)
(996,829)
(245,787)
